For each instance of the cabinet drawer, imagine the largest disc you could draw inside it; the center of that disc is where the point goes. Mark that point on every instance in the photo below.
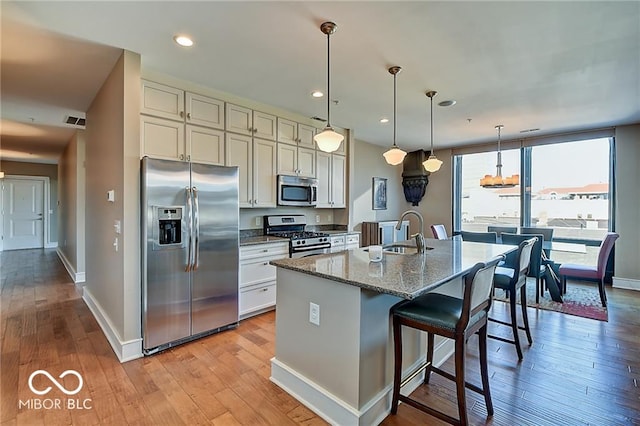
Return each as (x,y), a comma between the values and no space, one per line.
(353,240)
(256,298)
(279,250)
(257,272)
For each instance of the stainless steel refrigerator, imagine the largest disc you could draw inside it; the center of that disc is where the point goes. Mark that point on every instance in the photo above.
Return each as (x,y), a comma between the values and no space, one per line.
(190,242)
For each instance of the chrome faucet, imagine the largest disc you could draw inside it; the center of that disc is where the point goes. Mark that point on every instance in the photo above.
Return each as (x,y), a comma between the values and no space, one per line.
(420,242)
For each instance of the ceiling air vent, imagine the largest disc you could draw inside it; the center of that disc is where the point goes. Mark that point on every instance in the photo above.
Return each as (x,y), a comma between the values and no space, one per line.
(315,117)
(76,121)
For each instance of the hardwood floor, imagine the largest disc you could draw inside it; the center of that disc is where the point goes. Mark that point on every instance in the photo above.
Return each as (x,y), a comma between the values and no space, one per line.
(578,371)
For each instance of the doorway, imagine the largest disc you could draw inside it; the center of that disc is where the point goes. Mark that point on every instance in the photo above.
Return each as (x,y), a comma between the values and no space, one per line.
(25,207)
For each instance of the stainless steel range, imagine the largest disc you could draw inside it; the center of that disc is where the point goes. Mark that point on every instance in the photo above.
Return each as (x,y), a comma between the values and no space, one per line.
(301,243)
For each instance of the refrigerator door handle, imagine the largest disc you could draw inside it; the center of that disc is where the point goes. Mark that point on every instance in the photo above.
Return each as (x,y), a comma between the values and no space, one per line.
(189,229)
(196,224)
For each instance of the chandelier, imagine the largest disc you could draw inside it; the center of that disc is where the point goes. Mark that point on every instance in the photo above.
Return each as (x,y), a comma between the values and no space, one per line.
(498,181)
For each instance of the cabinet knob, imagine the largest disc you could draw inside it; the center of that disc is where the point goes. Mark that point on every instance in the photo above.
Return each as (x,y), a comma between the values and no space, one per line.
(181,114)
(265,289)
(188,158)
(265,250)
(181,157)
(189,116)
(265,263)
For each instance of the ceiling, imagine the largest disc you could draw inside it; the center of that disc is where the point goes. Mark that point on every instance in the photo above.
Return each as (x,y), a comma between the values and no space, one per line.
(553,66)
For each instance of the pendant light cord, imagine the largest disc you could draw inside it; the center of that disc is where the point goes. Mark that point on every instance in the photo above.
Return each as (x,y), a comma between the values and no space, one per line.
(499,165)
(394,110)
(431,125)
(328,81)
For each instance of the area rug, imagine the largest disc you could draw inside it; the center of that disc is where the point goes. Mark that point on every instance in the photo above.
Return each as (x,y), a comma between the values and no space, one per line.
(579,301)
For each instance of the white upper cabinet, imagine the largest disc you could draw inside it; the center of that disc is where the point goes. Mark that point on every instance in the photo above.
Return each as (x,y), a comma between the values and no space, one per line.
(293,160)
(239,119)
(305,135)
(205,145)
(295,133)
(264,125)
(162,101)
(161,138)
(240,153)
(204,111)
(331,172)
(252,123)
(256,161)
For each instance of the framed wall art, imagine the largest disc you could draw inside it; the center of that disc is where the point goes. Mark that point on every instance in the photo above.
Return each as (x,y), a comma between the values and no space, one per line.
(379,193)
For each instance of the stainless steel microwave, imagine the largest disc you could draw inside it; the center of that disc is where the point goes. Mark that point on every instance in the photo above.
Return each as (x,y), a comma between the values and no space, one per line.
(297,191)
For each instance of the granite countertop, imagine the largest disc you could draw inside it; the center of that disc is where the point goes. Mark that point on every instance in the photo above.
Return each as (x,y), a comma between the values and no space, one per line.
(406,276)
(261,239)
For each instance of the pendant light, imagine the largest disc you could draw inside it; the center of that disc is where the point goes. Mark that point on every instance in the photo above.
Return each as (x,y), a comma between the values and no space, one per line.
(498,181)
(394,155)
(328,140)
(432,164)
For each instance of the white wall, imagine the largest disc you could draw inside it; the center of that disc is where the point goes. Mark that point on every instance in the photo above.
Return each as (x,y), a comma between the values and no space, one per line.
(627,247)
(437,204)
(366,161)
(72,206)
(112,288)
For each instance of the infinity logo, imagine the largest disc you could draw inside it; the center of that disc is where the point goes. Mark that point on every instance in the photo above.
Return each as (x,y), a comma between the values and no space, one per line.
(55,382)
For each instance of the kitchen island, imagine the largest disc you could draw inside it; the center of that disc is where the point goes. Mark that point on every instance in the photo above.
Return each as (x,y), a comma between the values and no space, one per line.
(334,350)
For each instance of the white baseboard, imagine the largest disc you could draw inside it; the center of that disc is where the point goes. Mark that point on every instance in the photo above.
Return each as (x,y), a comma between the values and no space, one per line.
(124,350)
(77,277)
(336,411)
(627,283)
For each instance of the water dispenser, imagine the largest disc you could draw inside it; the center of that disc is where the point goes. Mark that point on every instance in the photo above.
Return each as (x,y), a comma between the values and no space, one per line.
(169,226)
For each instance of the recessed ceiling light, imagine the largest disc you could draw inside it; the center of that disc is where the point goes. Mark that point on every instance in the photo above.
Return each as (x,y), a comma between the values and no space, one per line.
(183,40)
(447,103)
(384,120)
(317,94)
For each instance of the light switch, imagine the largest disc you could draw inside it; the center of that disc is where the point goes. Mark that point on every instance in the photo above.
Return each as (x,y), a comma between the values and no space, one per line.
(111,196)
(116,225)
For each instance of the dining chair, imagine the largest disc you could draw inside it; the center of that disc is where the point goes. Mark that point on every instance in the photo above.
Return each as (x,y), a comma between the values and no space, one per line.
(591,272)
(537,268)
(456,319)
(479,237)
(500,229)
(547,233)
(439,232)
(513,279)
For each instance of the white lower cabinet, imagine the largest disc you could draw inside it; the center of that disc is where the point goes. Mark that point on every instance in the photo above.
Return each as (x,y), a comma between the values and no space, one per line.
(258,278)
(341,242)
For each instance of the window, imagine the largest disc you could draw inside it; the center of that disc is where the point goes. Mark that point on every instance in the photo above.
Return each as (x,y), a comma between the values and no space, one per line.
(570,191)
(481,207)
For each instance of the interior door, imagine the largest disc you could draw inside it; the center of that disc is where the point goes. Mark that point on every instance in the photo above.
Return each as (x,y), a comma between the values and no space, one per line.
(23,223)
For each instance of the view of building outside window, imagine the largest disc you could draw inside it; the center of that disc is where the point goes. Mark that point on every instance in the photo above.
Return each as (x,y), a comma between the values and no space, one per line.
(570,188)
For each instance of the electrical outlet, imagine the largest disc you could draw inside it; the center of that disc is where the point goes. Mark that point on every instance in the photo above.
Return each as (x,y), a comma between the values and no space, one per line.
(314,313)
(257,220)
(317,218)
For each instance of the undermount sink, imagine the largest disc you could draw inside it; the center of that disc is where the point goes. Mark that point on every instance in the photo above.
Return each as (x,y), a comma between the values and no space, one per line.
(400,250)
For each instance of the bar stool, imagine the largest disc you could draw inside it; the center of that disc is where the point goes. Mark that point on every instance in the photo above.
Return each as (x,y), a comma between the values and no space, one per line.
(456,319)
(513,278)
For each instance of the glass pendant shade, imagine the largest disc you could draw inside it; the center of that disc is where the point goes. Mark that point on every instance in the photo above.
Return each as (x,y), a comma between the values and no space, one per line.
(394,156)
(328,140)
(432,164)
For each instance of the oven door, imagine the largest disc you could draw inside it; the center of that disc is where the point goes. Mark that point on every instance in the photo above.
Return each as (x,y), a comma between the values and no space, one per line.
(309,251)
